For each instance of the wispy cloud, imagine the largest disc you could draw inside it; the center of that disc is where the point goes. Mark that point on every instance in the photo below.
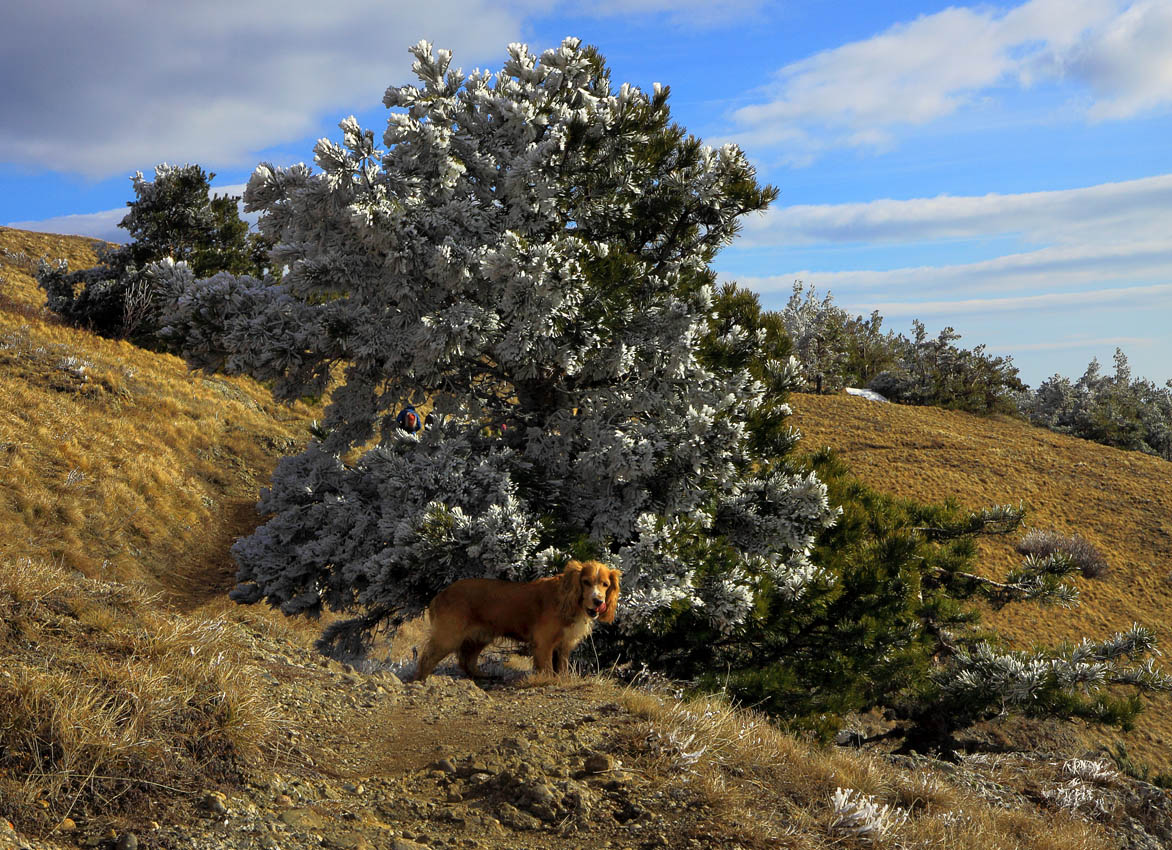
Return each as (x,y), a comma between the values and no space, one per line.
(102,225)
(1125,211)
(1058,267)
(1157,294)
(99,225)
(1111,239)
(101,89)
(861,94)
(1085,343)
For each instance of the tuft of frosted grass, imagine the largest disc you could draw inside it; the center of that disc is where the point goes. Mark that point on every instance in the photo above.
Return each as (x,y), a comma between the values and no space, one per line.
(75,367)
(1089,770)
(1079,794)
(681,748)
(1078,797)
(859,815)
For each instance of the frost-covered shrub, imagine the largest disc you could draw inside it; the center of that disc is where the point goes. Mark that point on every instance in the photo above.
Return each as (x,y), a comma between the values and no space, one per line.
(859,815)
(1084,680)
(94,298)
(524,257)
(833,348)
(1089,770)
(173,217)
(936,372)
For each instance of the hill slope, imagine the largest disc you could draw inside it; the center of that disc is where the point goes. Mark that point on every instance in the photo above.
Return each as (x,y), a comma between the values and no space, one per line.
(1120,501)
(134,700)
(119,462)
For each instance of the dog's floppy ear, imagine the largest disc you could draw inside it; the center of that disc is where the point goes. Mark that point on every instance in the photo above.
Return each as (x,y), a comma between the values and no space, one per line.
(612,597)
(570,590)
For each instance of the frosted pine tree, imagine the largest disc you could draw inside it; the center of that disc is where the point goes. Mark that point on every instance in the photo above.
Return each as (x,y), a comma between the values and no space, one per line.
(525,259)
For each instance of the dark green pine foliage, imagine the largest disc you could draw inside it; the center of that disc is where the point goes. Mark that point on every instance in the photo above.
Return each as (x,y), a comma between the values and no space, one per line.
(900,629)
(893,623)
(870,628)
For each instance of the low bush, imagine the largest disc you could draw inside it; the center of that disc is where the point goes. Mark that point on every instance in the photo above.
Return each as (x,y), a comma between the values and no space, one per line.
(939,373)
(835,349)
(172,217)
(1086,556)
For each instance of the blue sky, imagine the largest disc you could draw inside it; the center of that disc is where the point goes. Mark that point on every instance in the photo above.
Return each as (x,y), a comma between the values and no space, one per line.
(1003,169)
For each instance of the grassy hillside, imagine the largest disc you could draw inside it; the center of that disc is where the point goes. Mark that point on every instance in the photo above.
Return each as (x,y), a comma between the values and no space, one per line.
(123,480)
(135,699)
(118,462)
(1119,501)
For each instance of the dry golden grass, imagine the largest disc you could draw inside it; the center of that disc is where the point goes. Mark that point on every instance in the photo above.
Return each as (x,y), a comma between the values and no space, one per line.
(116,461)
(1119,501)
(109,701)
(777,791)
(125,684)
(123,481)
(22,250)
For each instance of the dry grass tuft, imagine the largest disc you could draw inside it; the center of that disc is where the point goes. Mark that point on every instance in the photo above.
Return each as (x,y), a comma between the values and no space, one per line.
(107,700)
(1084,554)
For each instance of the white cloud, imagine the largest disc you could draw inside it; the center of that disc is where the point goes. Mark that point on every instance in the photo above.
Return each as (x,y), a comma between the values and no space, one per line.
(861,94)
(1055,267)
(1083,342)
(99,225)
(1129,66)
(1104,237)
(113,87)
(1048,302)
(1099,245)
(1133,210)
(104,225)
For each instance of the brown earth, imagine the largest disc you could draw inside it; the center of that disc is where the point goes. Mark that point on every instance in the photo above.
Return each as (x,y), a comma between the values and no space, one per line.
(1119,501)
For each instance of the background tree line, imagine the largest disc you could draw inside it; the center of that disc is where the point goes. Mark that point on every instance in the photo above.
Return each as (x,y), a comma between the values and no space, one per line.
(836,350)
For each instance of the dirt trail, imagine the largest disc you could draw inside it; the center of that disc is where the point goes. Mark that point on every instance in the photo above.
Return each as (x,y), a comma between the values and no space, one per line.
(368,761)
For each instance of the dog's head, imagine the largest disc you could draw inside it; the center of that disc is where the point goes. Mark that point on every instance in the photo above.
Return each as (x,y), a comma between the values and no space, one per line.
(592,588)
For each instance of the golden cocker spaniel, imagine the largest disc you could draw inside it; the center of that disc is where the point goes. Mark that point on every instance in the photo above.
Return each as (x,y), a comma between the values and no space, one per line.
(550,614)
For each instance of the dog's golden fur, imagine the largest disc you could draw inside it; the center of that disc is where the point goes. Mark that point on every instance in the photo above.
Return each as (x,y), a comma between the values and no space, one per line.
(552,615)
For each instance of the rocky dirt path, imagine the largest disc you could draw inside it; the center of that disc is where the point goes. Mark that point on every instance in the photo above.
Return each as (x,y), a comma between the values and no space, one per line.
(364,760)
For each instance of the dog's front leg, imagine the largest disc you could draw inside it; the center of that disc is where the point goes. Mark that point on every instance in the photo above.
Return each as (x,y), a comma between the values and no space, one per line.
(543,656)
(562,659)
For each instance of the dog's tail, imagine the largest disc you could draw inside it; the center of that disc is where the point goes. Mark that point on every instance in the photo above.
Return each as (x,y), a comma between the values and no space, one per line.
(349,640)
